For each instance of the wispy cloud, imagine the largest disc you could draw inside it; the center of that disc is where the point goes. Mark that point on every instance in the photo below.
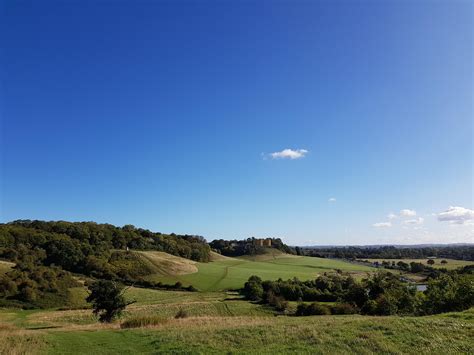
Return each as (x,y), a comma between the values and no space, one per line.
(456,215)
(332,199)
(415,221)
(289,154)
(407,213)
(391,215)
(382,225)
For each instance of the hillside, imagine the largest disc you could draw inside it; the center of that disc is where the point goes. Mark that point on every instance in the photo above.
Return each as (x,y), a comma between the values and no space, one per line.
(231,273)
(168,265)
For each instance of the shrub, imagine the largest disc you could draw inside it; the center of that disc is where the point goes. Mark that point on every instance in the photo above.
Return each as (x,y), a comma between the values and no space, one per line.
(278,302)
(344,308)
(253,289)
(312,309)
(181,314)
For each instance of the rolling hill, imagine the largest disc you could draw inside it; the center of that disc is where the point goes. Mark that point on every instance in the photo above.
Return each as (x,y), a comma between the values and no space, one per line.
(224,273)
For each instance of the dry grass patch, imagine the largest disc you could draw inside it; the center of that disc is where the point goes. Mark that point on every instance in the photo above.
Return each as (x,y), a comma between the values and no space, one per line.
(16,342)
(5,266)
(167,264)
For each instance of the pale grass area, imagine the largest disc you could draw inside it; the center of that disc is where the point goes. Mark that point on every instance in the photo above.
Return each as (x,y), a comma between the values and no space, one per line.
(14,341)
(270,254)
(167,264)
(214,323)
(216,256)
(5,266)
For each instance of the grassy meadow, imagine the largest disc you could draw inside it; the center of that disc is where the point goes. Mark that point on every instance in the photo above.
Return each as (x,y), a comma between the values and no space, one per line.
(245,328)
(226,273)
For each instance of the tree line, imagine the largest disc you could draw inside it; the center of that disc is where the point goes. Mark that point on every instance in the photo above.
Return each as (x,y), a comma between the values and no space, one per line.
(380,294)
(458,252)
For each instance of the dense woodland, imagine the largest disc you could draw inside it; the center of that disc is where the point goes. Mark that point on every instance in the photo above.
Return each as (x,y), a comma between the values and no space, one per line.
(47,253)
(247,247)
(380,294)
(464,252)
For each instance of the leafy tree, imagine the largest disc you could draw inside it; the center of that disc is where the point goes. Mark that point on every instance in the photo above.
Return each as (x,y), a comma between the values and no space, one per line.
(253,289)
(430,262)
(107,300)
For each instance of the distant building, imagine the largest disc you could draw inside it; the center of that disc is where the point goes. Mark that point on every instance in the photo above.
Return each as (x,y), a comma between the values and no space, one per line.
(267,242)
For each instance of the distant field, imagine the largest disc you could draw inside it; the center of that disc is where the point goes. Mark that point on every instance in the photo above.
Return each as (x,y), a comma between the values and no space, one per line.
(231,273)
(452,264)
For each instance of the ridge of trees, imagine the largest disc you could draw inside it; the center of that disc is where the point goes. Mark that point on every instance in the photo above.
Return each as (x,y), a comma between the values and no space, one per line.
(247,246)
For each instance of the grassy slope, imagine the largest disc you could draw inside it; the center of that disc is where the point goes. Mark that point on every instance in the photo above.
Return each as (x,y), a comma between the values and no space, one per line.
(452,264)
(167,264)
(232,273)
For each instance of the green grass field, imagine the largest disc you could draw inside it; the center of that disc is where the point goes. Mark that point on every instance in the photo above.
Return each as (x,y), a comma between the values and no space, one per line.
(452,264)
(232,273)
(20,333)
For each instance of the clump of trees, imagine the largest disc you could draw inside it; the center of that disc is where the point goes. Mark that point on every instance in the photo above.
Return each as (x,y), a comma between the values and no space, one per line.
(31,285)
(380,294)
(107,299)
(247,246)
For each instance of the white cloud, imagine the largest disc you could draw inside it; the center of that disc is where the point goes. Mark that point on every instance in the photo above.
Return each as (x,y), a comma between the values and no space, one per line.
(391,215)
(382,225)
(407,213)
(415,221)
(332,199)
(457,215)
(289,154)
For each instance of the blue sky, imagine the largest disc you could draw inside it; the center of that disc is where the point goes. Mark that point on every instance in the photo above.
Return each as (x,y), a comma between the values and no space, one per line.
(306,120)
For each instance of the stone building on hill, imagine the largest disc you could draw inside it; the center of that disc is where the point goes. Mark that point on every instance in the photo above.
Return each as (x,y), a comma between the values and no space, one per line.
(267,242)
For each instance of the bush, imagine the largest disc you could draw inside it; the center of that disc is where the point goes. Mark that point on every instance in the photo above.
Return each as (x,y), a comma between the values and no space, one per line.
(312,309)
(181,314)
(344,308)
(253,289)
(278,302)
